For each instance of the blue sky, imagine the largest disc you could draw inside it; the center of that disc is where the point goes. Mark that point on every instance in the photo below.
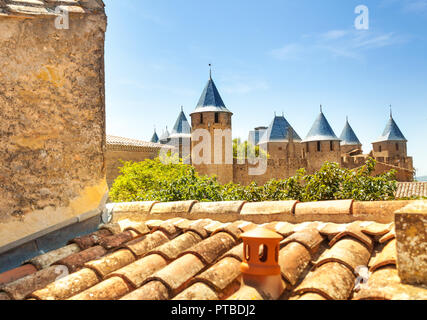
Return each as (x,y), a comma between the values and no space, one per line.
(269,56)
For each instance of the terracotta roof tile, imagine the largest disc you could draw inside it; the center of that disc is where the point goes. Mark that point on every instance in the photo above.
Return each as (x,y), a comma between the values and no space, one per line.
(310,238)
(236,252)
(331,280)
(309,296)
(141,246)
(198,291)
(168,228)
(111,262)
(246,293)
(411,189)
(114,228)
(172,249)
(139,207)
(353,231)
(388,236)
(76,261)
(68,286)
(269,207)
(177,273)
(110,289)
(348,252)
(46,260)
(284,228)
(137,272)
(92,239)
(116,240)
(21,288)
(154,290)
(4,296)
(340,207)
(17,273)
(223,277)
(387,256)
(217,208)
(293,260)
(200,259)
(374,228)
(211,248)
(178,207)
(139,227)
(385,284)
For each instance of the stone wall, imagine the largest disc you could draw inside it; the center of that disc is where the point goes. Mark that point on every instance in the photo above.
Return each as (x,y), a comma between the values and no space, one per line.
(315,158)
(52,118)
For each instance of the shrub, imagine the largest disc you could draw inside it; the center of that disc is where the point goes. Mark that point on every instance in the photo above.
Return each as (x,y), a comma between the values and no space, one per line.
(155,180)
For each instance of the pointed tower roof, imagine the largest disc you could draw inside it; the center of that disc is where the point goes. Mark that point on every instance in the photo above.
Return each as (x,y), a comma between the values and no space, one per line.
(210,100)
(154,138)
(182,128)
(279,130)
(321,130)
(165,135)
(391,132)
(348,137)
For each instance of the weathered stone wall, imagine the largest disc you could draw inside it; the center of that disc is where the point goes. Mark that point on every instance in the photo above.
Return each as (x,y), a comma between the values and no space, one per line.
(223,171)
(114,158)
(315,158)
(52,121)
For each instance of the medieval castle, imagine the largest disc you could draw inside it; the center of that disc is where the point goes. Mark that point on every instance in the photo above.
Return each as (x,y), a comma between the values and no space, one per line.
(287,151)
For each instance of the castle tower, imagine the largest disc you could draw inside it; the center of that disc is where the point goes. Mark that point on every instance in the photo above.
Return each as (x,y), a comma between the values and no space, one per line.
(349,140)
(154,138)
(211,140)
(392,144)
(321,144)
(280,140)
(181,137)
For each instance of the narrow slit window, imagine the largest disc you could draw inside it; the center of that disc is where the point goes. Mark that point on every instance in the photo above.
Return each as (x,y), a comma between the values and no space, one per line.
(263,253)
(201,118)
(318,146)
(216,117)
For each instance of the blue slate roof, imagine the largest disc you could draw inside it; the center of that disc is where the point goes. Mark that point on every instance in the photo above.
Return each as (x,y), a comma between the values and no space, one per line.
(181,127)
(348,137)
(279,131)
(154,138)
(321,130)
(210,100)
(391,132)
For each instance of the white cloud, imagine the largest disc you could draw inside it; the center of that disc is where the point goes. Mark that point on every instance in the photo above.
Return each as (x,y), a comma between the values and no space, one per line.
(338,43)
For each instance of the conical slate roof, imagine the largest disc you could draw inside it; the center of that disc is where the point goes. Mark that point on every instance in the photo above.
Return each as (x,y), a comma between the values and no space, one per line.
(321,130)
(391,132)
(279,130)
(210,100)
(154,138)
(348,137)
(181,128)
(165,135)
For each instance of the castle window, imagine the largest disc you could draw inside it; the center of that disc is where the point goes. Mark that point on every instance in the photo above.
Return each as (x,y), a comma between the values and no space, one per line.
(318,146)
(397,147)
(308,148)
(332,145)
(380,149)
(216,117)
(201,118)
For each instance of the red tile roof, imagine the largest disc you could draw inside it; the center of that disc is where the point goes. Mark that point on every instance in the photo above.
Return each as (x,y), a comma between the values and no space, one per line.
(200,259)
(411,189)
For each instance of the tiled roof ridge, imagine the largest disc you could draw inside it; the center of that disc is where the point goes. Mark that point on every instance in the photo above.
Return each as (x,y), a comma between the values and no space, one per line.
(47,7)
(123,143)
(341,211)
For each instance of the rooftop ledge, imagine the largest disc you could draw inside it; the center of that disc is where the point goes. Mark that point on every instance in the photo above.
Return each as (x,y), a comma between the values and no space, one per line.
(337,211)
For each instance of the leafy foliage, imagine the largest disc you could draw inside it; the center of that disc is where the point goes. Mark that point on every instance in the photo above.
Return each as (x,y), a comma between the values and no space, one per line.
(154,180)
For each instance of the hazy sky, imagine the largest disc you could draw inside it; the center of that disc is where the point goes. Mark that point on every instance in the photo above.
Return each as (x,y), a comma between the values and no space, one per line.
(267,56)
